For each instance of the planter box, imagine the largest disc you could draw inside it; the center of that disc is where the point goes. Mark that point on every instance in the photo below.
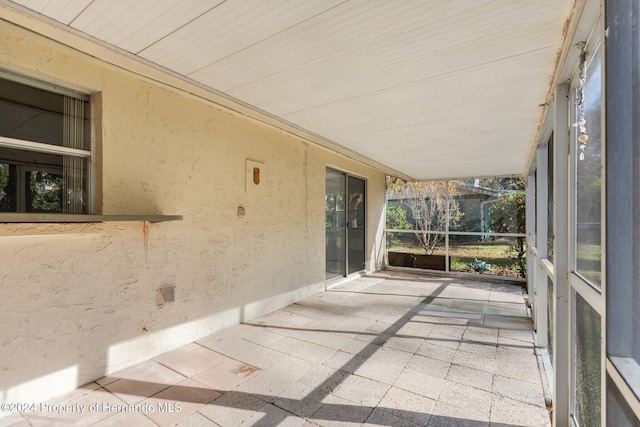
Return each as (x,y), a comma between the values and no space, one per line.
(428,262)
(431,262)
(400,259)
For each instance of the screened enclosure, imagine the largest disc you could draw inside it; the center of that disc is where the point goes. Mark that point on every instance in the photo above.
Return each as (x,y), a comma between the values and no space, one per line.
(474,225)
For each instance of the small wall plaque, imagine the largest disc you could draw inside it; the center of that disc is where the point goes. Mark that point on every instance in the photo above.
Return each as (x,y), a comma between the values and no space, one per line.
(255,177)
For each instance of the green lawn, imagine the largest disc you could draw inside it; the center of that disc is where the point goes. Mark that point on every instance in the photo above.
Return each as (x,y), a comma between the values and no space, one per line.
(588,262)
(496,253)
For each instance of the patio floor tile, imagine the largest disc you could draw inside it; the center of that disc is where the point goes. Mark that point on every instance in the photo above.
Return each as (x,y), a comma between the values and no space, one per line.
(344,361)
(79,410)
(278,378)
(362,391)
(232,408)
(300,399)
(380,417)
(191,359)
(463,401)
(226,376)
(271,415)
(470,360)
(388,349)
(137,387)
(125,419)
(510,412)
(519,365)
(407,406)
(436,351)
(429,366)
(409,344)
(385,365)
(303,349)
(179,401)
(132,370)
(324,378)
(521,391)
(472,377)
(241,349)
(456,416)
(479,348)
(518,335)
(339,412)
(423,384)
(196,420)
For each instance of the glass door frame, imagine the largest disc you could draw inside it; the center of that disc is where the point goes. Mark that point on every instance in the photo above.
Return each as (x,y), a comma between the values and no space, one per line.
(347,273)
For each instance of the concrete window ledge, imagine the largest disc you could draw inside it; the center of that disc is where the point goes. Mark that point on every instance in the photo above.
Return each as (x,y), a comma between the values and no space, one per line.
(78,218)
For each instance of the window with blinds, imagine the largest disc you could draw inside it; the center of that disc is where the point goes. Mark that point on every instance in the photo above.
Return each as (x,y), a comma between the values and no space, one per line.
(45,147)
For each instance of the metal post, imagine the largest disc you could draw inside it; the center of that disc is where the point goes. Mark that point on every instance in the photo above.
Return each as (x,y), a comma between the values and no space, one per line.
(561,336)
(542,188)
(446,236)
(532,260)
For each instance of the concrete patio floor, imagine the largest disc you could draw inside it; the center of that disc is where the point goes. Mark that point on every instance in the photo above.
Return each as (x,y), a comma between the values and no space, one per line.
(389,349)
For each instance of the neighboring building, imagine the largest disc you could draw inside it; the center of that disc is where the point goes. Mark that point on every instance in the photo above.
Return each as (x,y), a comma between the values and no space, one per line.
(473,202)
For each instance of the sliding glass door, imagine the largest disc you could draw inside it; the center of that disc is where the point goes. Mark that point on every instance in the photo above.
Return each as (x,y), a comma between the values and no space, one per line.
(345,219)
(355,225)
(336,224)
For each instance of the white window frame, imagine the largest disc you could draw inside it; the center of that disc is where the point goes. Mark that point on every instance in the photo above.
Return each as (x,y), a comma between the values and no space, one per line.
(589,292)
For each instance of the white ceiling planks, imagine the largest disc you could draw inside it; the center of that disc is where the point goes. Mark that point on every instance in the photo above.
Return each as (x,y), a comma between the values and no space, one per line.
(228,29)
(381,64)
(466,97)
(353,59)
(432,88)
(321,35)
(135,25)
(63,11)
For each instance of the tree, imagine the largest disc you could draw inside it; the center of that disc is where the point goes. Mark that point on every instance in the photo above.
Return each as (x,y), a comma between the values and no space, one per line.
(45,192)
(8,202)
(396,220)
(503,183)
(428,202)
(508,215)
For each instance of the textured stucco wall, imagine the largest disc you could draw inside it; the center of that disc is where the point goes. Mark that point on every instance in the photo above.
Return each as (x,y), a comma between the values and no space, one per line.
(79,301)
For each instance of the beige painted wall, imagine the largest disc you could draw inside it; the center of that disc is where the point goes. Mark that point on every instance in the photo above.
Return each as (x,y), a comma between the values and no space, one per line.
(79,300)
